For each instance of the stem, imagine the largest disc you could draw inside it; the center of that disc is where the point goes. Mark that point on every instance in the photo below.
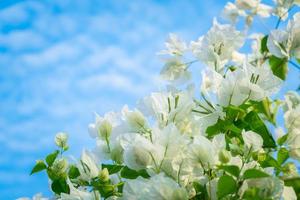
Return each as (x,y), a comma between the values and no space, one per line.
(294,64)
(278,23)
(280,18)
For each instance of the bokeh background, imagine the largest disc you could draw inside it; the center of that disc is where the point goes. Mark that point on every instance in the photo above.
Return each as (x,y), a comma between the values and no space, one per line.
(63,60)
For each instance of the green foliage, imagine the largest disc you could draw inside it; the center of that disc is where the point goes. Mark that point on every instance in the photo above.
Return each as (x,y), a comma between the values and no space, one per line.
(201,192)
(282,139)
(255,124)
(254,173)
(51,158)
(73,172)
(283,155)
(60,186)
(39,166)
(128,173)
(263,45)
(226,185)
(112,169)
(231,169)
(279,66)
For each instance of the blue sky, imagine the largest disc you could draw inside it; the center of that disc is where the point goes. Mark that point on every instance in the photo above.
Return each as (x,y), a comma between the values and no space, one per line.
(61,61)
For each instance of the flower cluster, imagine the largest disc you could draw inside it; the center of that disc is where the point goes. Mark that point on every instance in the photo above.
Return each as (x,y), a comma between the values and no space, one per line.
(214,143)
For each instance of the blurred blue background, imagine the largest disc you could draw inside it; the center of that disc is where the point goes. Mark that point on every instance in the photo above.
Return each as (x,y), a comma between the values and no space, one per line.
(61,61)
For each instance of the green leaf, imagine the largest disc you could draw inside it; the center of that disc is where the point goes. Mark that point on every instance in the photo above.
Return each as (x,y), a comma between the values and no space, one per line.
(60,186)
(257,125)
(282,139)
(226,185)
(283,155)
(73,172)
(39,166)
(231,169)
(133,174)
(263,44)
(264,107)
(112,169)
(279,66)
(51,158)
(201,192)
(254,173)
(295,183)
(106,190)
(252,193)
(298,60)
(269,162)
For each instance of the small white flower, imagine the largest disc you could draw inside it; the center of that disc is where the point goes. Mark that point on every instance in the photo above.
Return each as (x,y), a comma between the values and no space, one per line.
(252,140)
(175,71)
(289,193)
(103,126)
(286,43)
(138,152)
(175,47)
(157,187)
(202,152)
(61,140)
(87,166)
(217,46)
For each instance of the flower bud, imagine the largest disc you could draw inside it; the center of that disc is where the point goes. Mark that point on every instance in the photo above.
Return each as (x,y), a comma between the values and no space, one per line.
(104,175)
(180,194)
(61,140)
(290,169)
(261,155)
(105,129)
(224,156)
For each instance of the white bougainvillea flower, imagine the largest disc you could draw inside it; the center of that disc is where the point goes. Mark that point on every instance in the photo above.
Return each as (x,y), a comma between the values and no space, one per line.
(283,6)
(157,187)
(269,187)
(138,152)
(289,193)
(247,83)
(252,140)
(61,140)
(175,71)
(175,46)
(291,110)
(219,144)
(103,125)
(167,107)
(217,46)
(292,124)
(87,166)
(286,43)
(292,100)
(202,152)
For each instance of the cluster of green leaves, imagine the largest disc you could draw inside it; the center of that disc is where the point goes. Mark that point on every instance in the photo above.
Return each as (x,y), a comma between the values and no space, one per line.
(246,117)
(59,180)
(103,185)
